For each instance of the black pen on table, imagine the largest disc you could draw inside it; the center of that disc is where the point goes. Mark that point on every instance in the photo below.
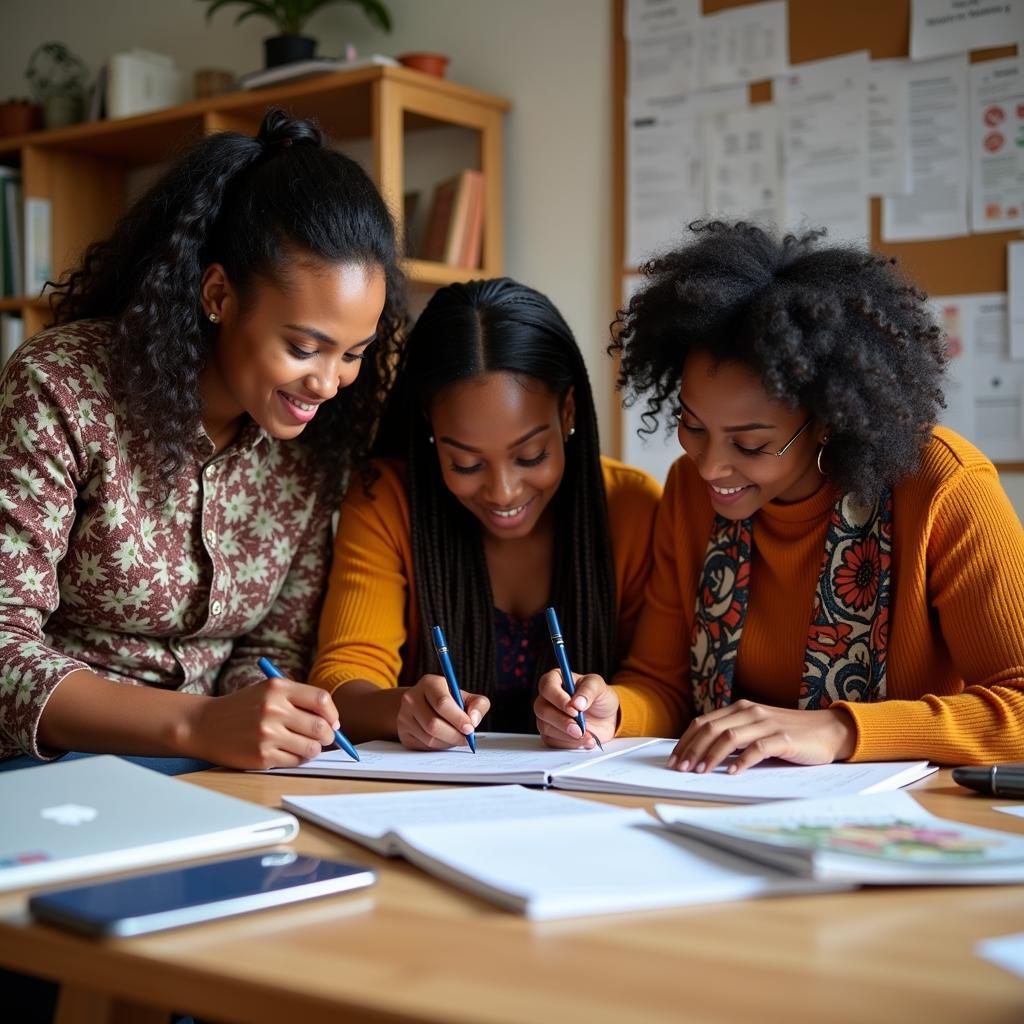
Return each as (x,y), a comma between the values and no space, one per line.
(441,647)
(997,779)
(271,671)
(563,664)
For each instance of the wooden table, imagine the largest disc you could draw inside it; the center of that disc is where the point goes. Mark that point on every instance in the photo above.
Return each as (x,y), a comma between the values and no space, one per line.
(415,949)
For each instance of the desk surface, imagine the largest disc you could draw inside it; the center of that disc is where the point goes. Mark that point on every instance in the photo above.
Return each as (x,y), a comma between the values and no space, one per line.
(415,949)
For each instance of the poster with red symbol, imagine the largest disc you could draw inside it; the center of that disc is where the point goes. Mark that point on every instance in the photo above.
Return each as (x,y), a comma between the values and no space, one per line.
(997,144)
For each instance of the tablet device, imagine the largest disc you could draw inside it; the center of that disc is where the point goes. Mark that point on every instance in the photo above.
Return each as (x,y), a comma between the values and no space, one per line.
(166,899)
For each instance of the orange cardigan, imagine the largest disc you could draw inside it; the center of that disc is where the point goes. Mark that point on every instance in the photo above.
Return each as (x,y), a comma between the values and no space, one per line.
(955,676)
(369,627)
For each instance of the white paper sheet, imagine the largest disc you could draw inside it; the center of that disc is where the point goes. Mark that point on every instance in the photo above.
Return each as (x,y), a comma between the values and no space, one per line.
(1006,952)
(937,205)
(888,149)
(743,173)
(997,145)
(1015,277)
(824,146)
(665,166)
(661,41)
(996,381)
(959,388)
(1017,810)
(643,771)
(744,44)
(939,27)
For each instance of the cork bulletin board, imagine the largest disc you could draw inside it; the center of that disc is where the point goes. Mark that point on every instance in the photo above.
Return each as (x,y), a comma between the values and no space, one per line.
(818,29)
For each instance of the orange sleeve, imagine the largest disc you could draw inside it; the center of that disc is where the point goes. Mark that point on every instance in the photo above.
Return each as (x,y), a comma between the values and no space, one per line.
(633,498)
(975,571)
(363,625)
(652,682)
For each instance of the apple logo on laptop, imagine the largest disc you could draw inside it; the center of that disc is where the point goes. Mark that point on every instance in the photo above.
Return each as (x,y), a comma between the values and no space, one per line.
(69,814)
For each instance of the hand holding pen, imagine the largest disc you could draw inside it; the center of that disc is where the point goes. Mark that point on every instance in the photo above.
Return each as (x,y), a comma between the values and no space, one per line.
(435,727)
(563,696)
(271,671)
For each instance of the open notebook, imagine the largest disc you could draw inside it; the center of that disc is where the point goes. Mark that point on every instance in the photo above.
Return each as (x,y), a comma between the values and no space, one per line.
(546,855)
(633,767)
(884,839)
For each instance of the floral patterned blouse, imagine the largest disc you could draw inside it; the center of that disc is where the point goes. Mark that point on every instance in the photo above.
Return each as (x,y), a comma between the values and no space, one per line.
(184,595)
(519,643)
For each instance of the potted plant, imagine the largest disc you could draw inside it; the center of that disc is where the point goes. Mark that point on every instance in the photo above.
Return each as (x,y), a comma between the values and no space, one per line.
(57,79)
(290,17)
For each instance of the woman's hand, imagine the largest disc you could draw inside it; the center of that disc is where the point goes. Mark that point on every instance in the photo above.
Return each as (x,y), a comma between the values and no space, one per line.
(759,731)
(556,711)
(429,718)
(277,723)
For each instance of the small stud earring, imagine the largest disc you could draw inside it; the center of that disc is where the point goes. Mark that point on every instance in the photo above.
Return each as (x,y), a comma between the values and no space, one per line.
(572,430)
(213,318)
(431,439)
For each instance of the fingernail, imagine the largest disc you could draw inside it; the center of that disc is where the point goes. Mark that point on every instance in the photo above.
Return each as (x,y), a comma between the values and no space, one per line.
(575,731)
(700,767)
(684,766)
(731,770)
(672,762)
(580,702)
(475,715)
(466,729)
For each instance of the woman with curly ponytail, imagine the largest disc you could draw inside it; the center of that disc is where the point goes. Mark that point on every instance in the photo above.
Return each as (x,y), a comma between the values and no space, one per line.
(491,501)
(173,448)
(867,558)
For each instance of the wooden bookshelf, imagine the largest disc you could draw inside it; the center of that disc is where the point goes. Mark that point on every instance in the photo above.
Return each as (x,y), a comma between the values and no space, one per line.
(85,170)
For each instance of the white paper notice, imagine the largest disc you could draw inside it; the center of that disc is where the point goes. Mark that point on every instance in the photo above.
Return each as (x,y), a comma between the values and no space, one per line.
(824,146)
(661,40)
(937,205)
(997,145)
(977,324)
(743,173)
(1015,276)
(744,44)
(938,27)
(1007,952)
(665,166)
(888,151)
(959,390)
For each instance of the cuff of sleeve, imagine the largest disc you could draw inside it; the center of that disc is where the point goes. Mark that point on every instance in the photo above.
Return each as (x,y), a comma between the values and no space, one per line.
(642,713)
(892,730)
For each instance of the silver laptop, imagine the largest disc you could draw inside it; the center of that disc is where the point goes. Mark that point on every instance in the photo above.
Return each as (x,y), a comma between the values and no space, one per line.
(101,814)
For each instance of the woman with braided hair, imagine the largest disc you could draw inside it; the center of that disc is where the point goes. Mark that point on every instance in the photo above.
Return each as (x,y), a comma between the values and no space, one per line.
(172,451)
(491,501)
(868,560)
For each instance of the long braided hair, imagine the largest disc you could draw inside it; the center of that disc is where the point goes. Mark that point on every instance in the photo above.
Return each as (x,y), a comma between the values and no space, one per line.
(465,331)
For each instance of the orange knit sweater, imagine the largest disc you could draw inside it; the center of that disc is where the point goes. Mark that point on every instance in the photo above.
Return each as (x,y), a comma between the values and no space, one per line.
(369,627)
(955,675)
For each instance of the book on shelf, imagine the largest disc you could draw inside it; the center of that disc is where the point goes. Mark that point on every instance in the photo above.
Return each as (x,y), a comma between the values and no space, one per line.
(454,230)
(10,233)
(631,767)
(543,854)
(879,839)
(38,257)
(299,69)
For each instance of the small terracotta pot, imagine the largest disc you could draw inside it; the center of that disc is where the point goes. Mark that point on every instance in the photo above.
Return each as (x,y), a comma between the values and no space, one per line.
(19,116)
(429,63)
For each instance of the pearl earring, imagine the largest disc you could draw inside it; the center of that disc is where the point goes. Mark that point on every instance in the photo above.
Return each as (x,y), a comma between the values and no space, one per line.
(572,430)
(213,318)
(431,439)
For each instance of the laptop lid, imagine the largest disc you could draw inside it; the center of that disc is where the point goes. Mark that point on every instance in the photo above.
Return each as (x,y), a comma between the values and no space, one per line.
(101,814)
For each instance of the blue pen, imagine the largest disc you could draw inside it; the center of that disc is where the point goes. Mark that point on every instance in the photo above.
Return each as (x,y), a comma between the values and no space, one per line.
(563,663)
(271,671)
(441,646)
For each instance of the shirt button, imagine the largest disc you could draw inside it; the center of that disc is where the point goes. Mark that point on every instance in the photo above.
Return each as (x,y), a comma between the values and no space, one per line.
(216,607)
(211,472)
(210,536)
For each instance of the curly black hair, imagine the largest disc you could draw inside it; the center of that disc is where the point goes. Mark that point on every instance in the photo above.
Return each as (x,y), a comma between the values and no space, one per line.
(254,205)
(833,330)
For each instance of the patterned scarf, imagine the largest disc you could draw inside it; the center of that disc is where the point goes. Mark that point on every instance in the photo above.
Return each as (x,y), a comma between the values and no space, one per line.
(848,636)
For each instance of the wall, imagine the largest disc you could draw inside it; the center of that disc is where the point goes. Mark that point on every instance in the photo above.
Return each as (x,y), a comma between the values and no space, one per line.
(551,57)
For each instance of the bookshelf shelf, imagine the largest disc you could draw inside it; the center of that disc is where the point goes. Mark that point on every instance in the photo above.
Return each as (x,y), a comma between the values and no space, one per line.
(90,172)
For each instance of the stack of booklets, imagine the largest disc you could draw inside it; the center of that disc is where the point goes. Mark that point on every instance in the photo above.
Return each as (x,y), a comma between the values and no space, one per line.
(454,229)
(546,855)
(633,767)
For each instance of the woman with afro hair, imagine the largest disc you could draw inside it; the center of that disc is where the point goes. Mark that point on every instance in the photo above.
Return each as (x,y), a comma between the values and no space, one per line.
(868,560)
